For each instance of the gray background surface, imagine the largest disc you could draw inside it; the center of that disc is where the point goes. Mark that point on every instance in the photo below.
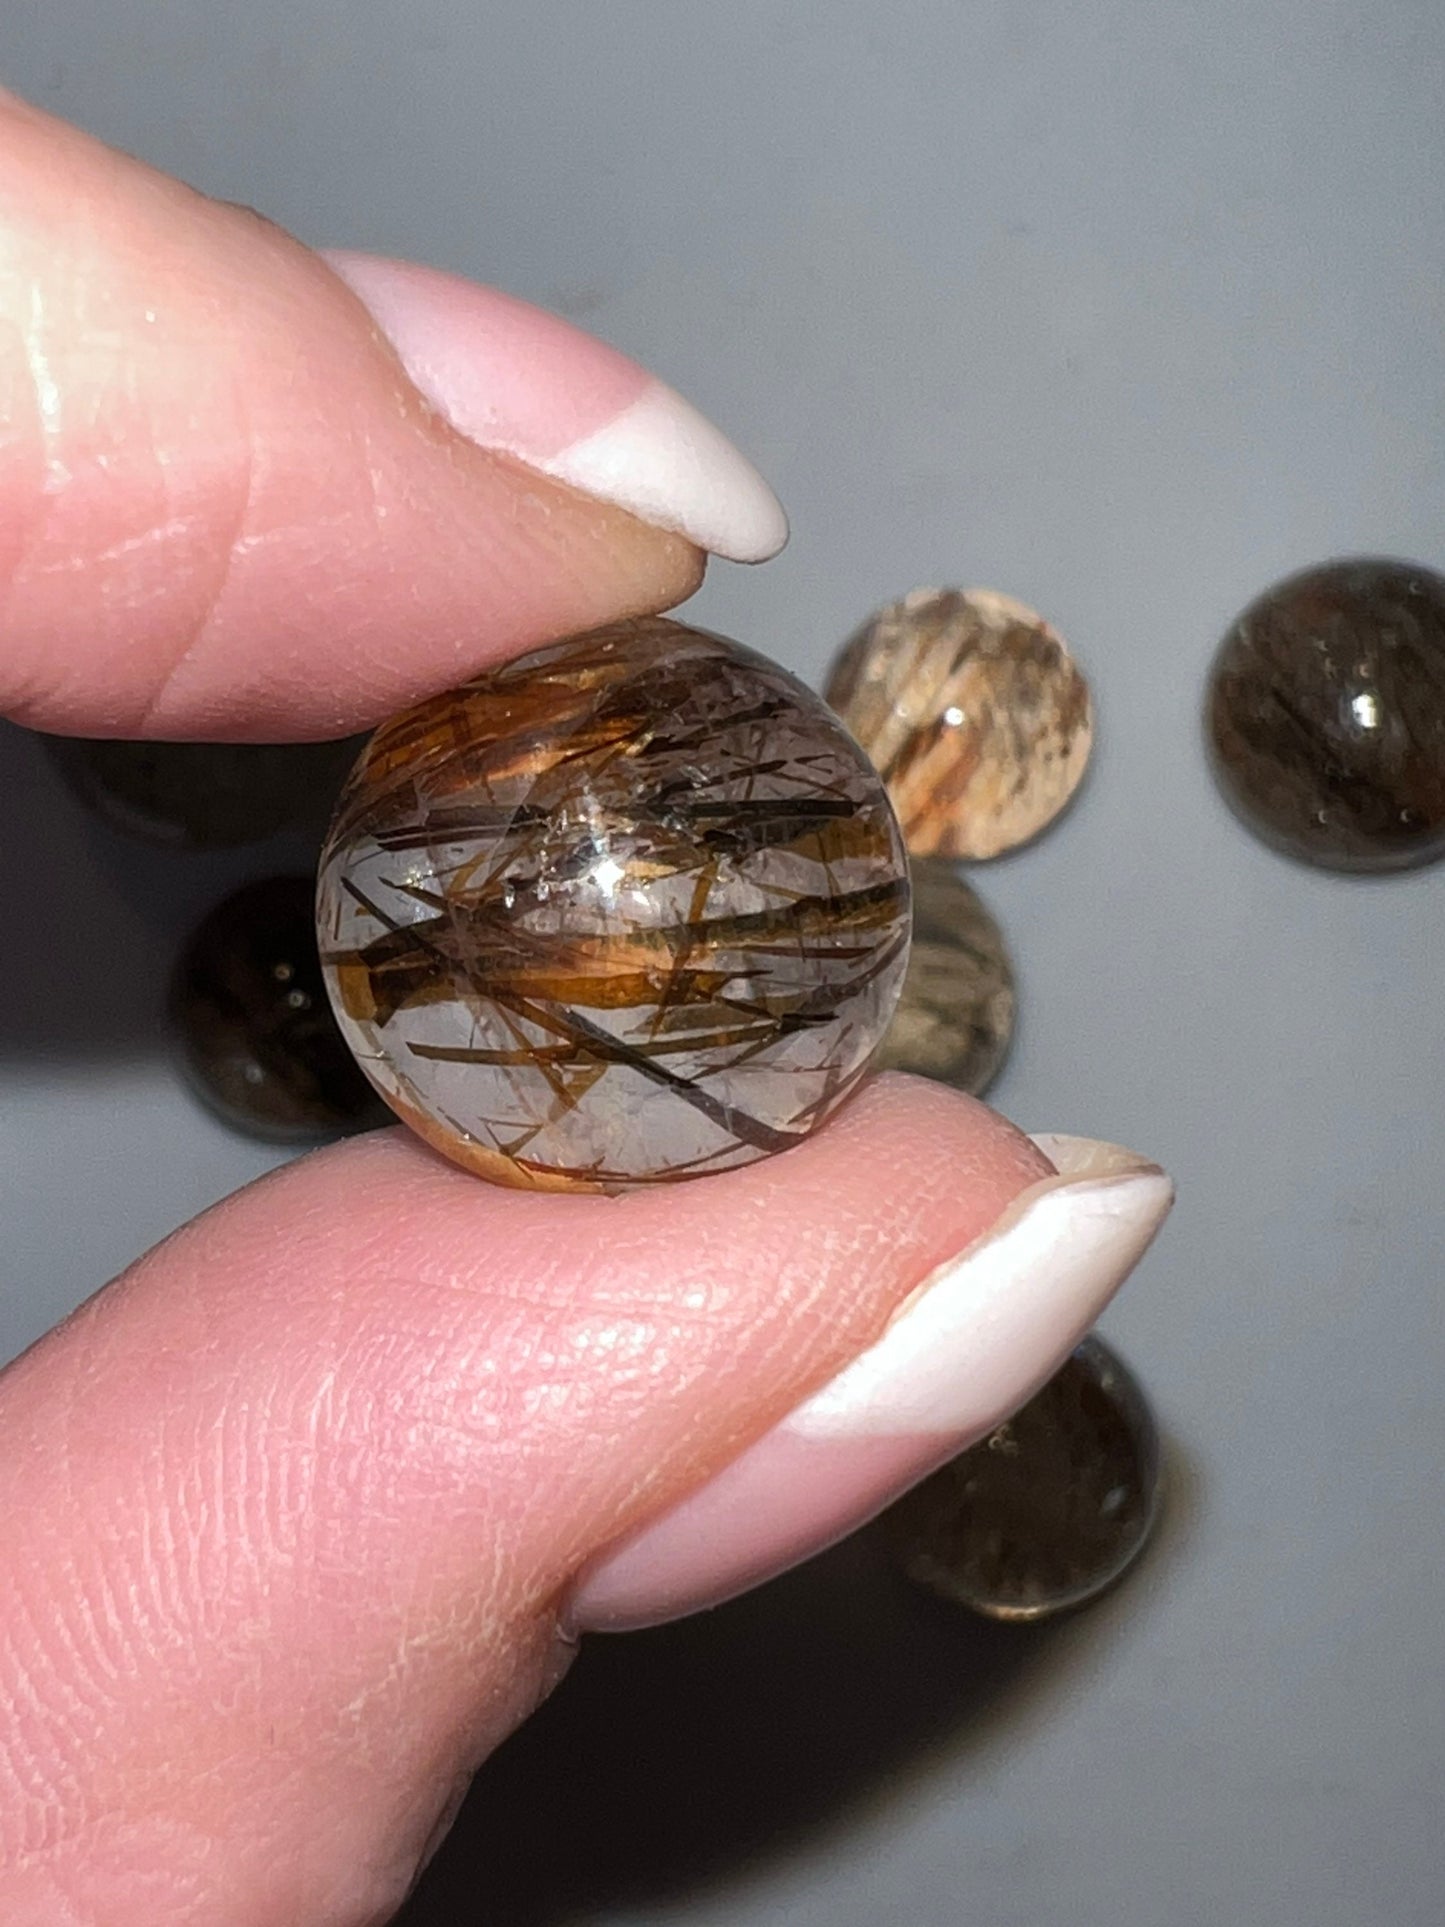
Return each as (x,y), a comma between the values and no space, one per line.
(1124,307)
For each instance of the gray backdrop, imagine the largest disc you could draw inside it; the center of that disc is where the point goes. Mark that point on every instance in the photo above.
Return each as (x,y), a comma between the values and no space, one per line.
(1124,307)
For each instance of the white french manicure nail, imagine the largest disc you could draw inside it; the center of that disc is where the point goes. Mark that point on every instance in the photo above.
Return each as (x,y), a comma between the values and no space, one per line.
(963,1352)
(668,465)
(514,378)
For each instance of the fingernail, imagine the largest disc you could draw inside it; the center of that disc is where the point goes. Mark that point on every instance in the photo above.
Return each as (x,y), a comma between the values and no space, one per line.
(967,1348)
(517,379)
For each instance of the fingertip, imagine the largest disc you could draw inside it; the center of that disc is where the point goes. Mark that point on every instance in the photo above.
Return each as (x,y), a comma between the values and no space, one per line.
(226,511)
(513,377)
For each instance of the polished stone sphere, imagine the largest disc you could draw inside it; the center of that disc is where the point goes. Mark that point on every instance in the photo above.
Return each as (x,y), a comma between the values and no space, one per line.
(631,908)
(975,713)
(205,796)
(955,1016)
(255,1028)
(1326,715)
(1047,1512)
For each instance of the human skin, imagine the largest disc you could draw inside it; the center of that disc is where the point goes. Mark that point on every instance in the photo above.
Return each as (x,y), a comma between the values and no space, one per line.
(296,1509)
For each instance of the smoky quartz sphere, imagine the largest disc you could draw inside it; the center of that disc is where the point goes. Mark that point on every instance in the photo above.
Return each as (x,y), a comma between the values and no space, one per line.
(631,908)
(1326,715)
(255,1029)
(1051,1509)
(955,1016)
(205,796)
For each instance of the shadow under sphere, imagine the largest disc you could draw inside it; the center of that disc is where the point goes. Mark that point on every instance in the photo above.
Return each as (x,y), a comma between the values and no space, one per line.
(674,1759)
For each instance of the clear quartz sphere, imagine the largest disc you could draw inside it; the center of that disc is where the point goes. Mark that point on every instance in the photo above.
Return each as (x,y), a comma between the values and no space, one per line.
(633,907)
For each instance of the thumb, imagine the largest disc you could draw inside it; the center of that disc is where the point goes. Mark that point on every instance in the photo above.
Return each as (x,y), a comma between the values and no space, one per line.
(296,1510)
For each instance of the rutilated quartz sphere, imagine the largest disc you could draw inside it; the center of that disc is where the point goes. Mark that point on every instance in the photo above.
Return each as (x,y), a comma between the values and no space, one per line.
(974,711)
(1326,715)
(955,1014)
(633,907)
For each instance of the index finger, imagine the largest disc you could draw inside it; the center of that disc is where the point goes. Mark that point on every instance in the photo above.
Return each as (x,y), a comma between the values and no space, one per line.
(228,510)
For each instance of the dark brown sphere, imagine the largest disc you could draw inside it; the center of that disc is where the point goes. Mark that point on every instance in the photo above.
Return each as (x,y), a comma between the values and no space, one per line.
(205,796)
(254,1022)
(1048,1511)
(1326,715)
